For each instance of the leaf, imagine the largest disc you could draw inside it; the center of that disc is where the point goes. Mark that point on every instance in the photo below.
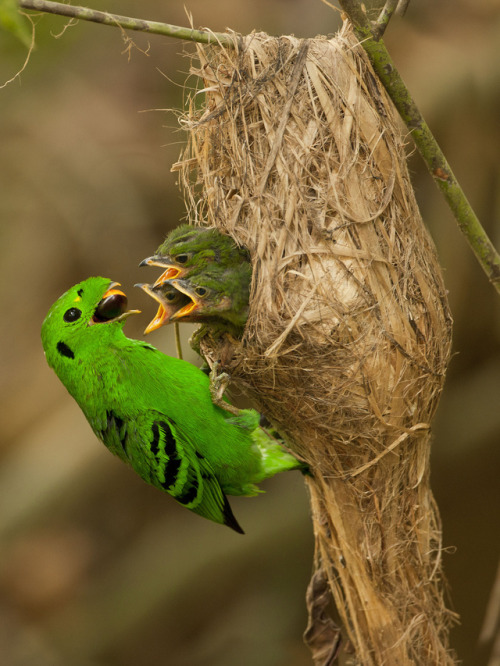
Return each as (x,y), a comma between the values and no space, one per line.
(14,22)
(322,635)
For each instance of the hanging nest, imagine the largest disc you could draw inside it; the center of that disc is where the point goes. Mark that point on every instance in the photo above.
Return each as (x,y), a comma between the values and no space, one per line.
(298,155)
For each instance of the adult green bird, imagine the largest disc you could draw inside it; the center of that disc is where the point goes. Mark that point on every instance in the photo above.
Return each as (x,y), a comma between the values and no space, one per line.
(212,294)
(153,411)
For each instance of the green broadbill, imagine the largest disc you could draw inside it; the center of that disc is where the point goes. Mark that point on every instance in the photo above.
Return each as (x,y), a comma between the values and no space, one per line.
(188,248)
(210,269)
(153,411)
(212,294)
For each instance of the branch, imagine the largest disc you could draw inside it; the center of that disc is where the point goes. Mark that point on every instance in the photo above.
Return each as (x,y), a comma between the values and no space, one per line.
(384,17)
(427,145)
(128,23)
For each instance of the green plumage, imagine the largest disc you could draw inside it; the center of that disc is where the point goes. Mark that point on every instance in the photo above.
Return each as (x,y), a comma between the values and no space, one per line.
(153,411)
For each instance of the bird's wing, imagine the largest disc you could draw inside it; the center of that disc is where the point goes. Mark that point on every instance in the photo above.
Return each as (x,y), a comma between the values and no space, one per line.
(181,470)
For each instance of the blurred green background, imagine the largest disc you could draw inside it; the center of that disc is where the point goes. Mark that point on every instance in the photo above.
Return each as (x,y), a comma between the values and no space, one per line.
(97,568)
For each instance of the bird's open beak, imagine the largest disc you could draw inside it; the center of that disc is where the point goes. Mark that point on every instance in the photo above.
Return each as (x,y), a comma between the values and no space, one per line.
(171,273)
(160,318)
(118,294)
(185,311)
(168,274)
(165,314)
(189,308)
(112,291)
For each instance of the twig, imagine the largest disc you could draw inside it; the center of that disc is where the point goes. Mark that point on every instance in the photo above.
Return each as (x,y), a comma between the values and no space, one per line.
(178,345)
(128,23)
(384,17)
(30,51)
(491,621)
(426,144)
(402,7)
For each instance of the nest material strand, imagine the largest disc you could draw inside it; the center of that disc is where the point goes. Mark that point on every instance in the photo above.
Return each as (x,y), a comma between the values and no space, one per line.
(298,155)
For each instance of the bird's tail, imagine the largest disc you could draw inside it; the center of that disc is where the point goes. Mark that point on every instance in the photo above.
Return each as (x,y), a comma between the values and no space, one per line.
(274,458)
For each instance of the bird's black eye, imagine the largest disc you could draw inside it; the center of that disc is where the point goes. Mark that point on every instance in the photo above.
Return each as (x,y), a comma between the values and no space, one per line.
(110,307)
(72,315)
(200,291)
(181,258)
(171,295)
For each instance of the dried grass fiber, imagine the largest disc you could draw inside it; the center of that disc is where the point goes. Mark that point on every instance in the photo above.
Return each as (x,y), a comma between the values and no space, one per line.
(298,155)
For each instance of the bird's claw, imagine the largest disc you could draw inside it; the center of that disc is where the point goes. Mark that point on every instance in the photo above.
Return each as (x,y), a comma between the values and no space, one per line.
(218,385)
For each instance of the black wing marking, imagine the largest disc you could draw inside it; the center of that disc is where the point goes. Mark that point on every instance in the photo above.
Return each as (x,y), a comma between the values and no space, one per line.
(187,475)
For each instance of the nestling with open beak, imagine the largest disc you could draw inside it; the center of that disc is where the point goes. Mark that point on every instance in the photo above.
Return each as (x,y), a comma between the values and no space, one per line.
(188,248)
(210,270)
(216,295)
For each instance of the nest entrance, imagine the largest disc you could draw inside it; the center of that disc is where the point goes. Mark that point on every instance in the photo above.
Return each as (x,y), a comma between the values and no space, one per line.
(298,155)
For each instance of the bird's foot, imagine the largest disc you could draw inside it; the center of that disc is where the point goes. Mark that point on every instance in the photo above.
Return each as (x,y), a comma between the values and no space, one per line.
(218,385)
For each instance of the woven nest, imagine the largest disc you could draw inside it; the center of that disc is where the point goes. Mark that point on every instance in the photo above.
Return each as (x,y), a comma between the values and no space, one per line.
(298,155)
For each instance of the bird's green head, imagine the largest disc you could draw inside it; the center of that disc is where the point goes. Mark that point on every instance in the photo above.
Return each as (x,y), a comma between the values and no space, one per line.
(215,293)
(87,314)
(187,249)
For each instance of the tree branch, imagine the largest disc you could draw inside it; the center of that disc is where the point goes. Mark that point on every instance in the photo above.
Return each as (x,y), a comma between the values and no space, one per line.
(384,17)
(128,23)
(426,144)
